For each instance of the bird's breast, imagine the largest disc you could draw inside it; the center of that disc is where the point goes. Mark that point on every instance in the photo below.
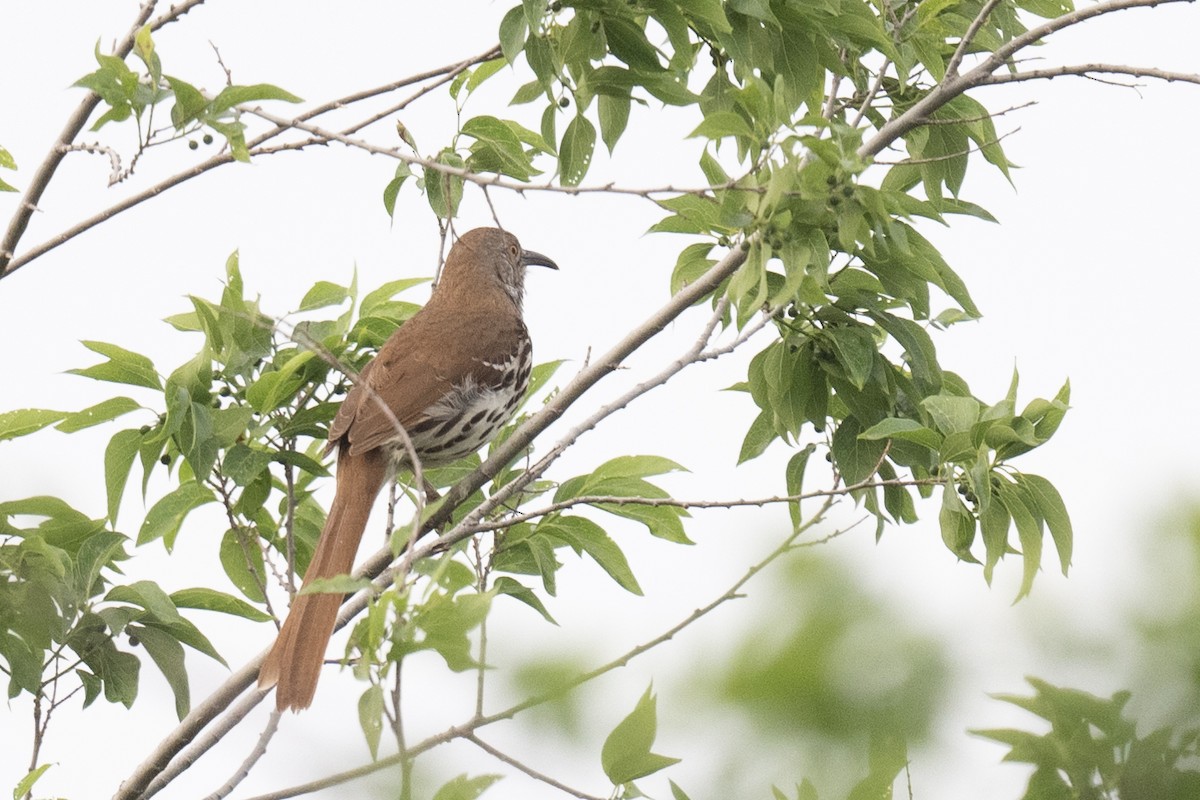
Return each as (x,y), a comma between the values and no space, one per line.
(473,411)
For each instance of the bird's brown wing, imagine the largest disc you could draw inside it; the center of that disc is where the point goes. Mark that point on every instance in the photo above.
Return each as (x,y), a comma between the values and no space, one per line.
(413,372)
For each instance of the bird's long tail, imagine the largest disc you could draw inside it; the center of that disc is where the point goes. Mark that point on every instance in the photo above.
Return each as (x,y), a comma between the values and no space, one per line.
(294,664)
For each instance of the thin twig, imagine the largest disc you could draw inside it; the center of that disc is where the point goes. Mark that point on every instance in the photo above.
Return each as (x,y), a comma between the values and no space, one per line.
(533,773)
(1088,71)
(243,770)
(671,502)
(964,44)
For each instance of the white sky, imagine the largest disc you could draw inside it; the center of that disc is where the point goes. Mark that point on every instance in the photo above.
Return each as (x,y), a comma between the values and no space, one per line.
(1089,276)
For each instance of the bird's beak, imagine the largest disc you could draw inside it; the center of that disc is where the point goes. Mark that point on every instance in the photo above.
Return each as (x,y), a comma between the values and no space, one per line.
(531,259)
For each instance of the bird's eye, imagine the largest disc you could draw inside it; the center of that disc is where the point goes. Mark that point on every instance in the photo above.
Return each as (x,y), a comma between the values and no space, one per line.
(512,249)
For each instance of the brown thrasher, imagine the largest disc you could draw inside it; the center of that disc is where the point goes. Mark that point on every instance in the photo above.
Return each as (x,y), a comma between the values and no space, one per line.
(452,376)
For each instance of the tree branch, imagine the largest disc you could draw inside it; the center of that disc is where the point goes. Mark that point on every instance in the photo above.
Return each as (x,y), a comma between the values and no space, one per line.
(170,758)
(10,263)
(671,502)
(45,171)
(467,730)
(538,776)
(1087,70)
(964,44)
(954,85)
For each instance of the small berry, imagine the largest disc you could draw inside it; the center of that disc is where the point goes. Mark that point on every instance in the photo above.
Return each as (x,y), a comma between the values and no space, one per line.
(563,101)
(193,145)
(165,460)
(208,138)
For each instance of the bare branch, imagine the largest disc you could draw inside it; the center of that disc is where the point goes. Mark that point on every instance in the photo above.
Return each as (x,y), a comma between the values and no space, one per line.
(964,44)
(260,747)
(672,502)
(1090,70)
(872,93)
(512,762)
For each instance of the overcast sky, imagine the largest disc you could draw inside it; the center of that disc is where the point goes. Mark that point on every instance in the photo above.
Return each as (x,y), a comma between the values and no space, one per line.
(1090,275)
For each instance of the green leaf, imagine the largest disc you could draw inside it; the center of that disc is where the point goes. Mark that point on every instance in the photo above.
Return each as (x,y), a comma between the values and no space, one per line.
(952,414)
(855,348)
(678,793)
(149,596)
(635,467)
(709,12)
(123,366)
(907,429)
(244,464)
(118,461)
(958,525)
(613,111)
(627,41)
(519,591)
(994,522)
(484,71)
(166,516)
(392,190)
(386,292)
(758,438)
(190,102)
(242,560)
(442,189)
(1029,531)
(323,294)
(462,787)
(232,96)
(794,477)
(856,458)
(95,415)
(512,33)
(497,149)
(205,599)
(575,151)
(370,717)
(25,421)
(586,536)
(25,785)
(167,654)
(626,753)
(1050,506)
(721,124)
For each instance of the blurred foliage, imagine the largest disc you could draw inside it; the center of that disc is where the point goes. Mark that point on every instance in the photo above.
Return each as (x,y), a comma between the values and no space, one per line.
(831,661)
(1092,750)
(1165,622)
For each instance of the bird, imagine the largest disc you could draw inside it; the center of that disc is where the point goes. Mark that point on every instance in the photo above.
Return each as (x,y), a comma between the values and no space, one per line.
(452,375)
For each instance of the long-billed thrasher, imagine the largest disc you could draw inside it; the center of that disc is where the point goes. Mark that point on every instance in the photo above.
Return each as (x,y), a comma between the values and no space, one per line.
(452,376)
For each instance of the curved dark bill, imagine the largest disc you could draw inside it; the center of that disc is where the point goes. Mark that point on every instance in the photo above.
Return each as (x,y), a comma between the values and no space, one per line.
(531,259)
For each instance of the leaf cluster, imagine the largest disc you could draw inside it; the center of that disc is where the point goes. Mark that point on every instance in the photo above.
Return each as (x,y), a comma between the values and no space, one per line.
(1092,750)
